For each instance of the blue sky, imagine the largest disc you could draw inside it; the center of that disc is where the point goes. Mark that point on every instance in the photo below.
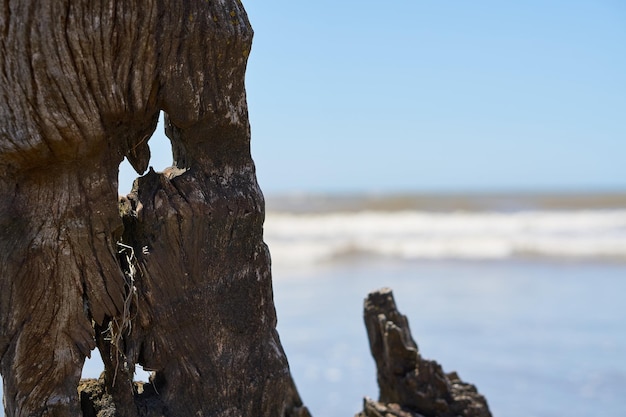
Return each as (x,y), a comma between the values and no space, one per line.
(348,96)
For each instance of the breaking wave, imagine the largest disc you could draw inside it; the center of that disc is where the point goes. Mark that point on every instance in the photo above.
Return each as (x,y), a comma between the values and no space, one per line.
(310,238)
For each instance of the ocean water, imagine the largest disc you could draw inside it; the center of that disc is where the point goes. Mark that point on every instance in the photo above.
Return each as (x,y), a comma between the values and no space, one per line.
(538,337)
(484,228)
(522,295)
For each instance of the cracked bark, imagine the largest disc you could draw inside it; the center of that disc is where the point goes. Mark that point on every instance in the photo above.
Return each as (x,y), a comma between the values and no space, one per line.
(81,87)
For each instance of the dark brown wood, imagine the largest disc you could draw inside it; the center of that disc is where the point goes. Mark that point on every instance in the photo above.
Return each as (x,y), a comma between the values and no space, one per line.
(176,276)
(411,386)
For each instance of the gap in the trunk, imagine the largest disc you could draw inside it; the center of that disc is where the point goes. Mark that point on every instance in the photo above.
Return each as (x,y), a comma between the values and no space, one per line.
(94,367)
(160,158)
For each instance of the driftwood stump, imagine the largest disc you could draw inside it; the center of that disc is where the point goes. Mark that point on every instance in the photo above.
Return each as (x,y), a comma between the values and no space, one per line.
(175,277)
(411,386)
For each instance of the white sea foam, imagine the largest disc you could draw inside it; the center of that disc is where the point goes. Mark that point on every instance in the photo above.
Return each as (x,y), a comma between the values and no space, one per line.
(298,239)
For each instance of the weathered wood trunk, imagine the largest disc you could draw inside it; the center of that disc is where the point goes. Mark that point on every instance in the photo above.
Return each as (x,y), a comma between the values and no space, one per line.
(178,280)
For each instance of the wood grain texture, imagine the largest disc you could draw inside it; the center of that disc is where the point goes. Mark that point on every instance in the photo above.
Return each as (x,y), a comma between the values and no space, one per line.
(175,276)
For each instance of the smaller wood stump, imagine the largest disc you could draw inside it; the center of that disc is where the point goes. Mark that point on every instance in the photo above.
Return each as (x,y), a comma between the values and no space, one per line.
(410,385)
